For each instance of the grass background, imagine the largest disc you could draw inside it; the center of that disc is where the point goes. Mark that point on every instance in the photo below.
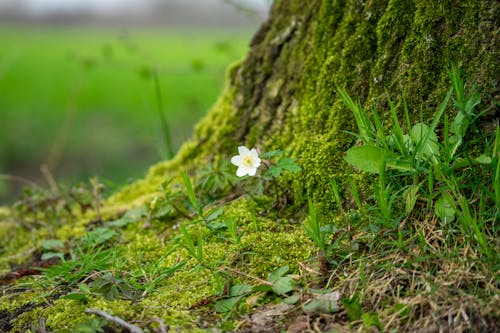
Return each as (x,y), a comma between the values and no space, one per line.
(82,100)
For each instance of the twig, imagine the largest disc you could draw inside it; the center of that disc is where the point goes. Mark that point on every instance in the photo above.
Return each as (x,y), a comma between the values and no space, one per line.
(163,328)
(96,186)
(116,320)
(49,178)
(261,281)
(41,324)
(20,179)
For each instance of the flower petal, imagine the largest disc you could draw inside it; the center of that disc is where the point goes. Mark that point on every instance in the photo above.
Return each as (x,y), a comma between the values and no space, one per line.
(252,171)
(236,160)
(241,172)
(243,150)
(254,153)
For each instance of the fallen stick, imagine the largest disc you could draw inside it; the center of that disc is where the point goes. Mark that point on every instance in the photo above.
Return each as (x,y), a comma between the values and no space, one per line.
(116,320)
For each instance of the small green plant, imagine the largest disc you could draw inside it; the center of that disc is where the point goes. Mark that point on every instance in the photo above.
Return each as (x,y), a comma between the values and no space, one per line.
(209,218)
(405,161)
(235,294)
(280,283)
(195,250)
(162,116)
(81,263)
(277,283)
(91,254)
(216,179)
(313,229)
(234,234)
(149,274)
(40,206)
(108,285)
(89,325)
(52,248)
(274,164)
(353,307)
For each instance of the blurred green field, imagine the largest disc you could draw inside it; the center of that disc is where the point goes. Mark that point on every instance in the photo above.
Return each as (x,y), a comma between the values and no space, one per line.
(82,100)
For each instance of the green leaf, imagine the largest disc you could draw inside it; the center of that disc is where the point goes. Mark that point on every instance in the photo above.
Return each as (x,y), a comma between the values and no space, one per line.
(76,297)
(320,291)
(404,310)
(292,299)
(367,158)
(90,325)
(283,285)
(272,153)
(240,290)
(353,308)
(364,124)
(371,320)
(323,303)
(401,165)
(465,114)
(50,255)
(263,287)
(410,195)
(219,225)
(112,293)
(445,208)
(275,275)
(190,193)
(50,244)
(425,141)
(132,216)
(274,171)
(312,228)
(483,159)
(227,304)
(83,287)
(100,235)
(289,164)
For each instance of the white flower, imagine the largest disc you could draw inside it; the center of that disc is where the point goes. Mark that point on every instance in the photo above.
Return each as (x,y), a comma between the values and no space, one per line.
(247,161)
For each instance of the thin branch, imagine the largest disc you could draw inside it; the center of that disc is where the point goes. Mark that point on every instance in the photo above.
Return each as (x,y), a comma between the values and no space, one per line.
(49,178)
(116,320)
(163,328)
(41,324)
(261,281)
(20,180)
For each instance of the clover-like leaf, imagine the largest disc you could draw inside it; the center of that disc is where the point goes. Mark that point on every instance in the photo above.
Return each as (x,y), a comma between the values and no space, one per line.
(227,304)
(289,164)
(274,171)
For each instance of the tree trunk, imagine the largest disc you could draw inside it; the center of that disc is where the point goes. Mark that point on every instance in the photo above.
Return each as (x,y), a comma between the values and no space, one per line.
(283,95)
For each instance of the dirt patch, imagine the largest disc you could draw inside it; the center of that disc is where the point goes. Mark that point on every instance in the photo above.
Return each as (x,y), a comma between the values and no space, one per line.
(276,317)
(32,268)
(7,317)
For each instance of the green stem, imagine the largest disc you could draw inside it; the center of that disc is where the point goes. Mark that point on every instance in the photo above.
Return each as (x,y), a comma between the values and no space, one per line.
(162,116)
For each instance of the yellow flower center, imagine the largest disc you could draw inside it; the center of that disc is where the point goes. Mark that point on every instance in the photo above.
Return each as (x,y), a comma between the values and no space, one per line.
(247,161)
